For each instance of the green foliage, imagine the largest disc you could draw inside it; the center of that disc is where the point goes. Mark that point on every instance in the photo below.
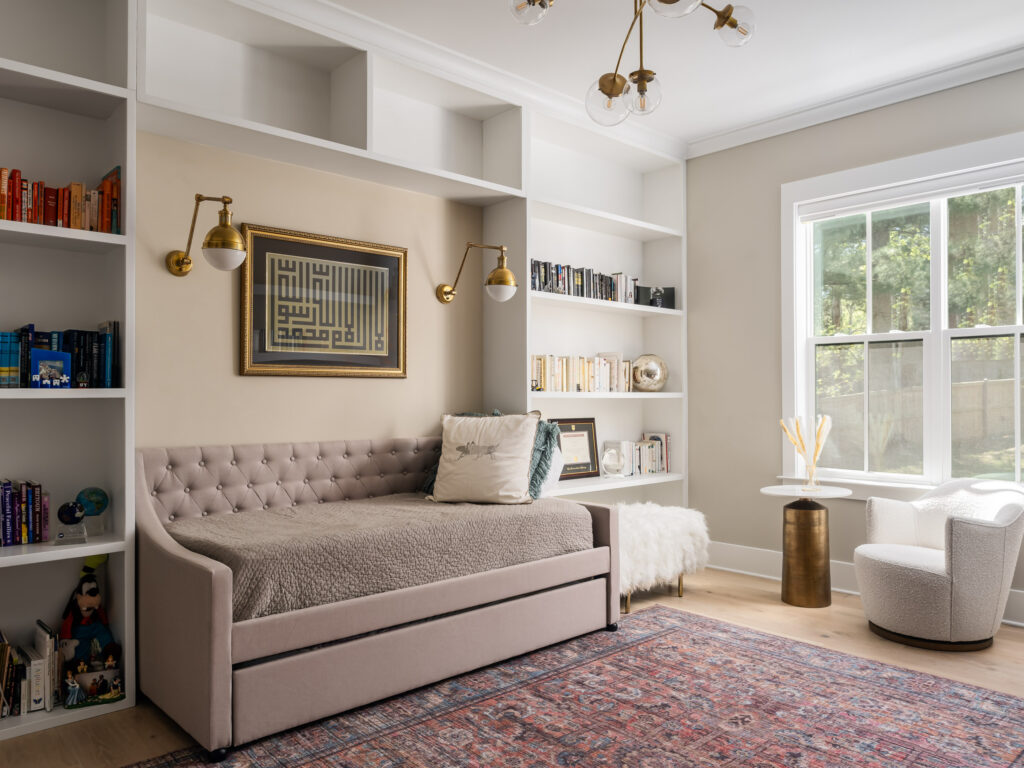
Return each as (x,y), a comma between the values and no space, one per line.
(982,259)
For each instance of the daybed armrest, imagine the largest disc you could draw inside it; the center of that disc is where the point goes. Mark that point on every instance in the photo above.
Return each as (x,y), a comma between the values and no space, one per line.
(184,623)
(606,534)
(890,521)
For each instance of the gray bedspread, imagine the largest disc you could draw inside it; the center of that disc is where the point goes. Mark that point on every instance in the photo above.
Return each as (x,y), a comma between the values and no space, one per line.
(296,557)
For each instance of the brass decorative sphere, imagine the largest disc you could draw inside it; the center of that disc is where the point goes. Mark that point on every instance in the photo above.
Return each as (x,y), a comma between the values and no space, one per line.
(650,374)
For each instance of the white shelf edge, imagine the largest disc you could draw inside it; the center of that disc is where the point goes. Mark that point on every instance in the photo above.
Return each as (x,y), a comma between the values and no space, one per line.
(45,235)
(601,305)
(606,483)
(489,191)
(96,393)
(42,720)
(48,552)
(62,78)
(612,223)
(606,395)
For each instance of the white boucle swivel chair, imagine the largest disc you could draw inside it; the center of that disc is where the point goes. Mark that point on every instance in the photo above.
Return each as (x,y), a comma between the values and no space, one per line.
(936,572)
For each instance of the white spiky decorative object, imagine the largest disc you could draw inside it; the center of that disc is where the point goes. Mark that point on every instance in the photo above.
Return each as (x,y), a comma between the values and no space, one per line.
(794,432)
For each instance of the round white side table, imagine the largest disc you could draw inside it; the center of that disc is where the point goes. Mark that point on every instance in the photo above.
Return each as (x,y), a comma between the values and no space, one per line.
(806,576)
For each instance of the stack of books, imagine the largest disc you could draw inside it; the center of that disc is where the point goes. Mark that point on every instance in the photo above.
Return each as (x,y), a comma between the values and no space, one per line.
(24,513)
(73,206)
(61,359)
(647,456)
(29,676)
(583,282)
(604,372)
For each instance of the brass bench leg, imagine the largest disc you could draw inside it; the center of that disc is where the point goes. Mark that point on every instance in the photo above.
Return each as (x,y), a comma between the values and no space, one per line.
(680,585)
(628,595)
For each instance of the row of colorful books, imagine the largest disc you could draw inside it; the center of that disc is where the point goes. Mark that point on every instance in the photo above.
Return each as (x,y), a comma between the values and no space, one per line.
(24,513)
(61,359)
(647,456)
(29,675)
(604,372)
(73,206)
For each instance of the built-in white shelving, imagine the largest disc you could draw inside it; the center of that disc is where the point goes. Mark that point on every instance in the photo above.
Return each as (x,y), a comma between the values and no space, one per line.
(67,107)
(613,483)
(601,305)
(541,395)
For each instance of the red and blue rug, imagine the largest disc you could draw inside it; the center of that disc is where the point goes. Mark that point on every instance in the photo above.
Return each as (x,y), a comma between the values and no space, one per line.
(668,689)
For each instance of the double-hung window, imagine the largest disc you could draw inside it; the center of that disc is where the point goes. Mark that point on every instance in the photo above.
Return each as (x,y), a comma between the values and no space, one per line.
(904,318)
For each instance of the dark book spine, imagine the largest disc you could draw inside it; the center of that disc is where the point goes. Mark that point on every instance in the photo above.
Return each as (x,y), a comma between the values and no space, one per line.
(29,519)
(25,335)
(6,518)
(26,512)
(50,206)
(37,512)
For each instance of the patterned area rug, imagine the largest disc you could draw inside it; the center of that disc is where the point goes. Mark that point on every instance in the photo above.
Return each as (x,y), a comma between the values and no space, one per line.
(668,689)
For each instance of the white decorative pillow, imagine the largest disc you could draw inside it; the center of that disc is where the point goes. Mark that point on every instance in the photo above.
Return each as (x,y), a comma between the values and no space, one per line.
(486,459)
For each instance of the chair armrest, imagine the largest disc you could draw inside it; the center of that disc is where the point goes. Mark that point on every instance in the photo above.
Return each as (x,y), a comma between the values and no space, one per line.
(184,629)
(606,534)
(981,556)
(891,522)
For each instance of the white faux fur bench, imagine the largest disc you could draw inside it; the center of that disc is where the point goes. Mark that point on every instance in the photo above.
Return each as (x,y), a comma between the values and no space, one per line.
(657,545)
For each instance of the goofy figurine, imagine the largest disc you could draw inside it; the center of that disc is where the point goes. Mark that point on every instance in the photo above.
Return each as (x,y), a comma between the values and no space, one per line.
(85,636)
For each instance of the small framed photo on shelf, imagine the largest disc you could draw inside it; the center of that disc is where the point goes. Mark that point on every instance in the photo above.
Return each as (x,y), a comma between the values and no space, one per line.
(578,443)
(314,305)
(51,369)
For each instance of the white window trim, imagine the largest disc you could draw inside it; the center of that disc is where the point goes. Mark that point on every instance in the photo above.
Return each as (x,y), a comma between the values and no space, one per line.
(986,164)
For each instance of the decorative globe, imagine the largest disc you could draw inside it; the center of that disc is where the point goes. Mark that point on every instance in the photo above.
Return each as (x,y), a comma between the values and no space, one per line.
(93,500)
(650,374)
(71,513)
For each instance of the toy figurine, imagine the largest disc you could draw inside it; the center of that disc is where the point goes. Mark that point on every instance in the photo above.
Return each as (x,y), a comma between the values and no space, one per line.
(75,695)
(85,636)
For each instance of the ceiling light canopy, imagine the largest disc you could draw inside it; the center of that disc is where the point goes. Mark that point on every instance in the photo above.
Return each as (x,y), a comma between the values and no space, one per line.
(613,97)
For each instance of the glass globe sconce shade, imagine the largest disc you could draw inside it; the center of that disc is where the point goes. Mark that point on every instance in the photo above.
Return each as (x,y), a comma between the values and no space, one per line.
(739,28)
(529,12)
(607,100)
(674,9)
(645,92)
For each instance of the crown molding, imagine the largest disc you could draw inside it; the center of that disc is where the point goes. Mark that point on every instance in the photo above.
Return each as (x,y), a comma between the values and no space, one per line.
(998,63)
(327,18)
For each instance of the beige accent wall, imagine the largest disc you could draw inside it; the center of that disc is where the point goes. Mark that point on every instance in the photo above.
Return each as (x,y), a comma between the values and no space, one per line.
(734,284)
(188,387)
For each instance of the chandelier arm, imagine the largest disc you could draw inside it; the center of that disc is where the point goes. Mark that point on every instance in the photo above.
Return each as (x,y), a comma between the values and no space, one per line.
(635,11)
(629,32)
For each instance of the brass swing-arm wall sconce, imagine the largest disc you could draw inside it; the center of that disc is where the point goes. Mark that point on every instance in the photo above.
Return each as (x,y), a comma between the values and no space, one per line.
(223,245)
(613,97)
(500,283)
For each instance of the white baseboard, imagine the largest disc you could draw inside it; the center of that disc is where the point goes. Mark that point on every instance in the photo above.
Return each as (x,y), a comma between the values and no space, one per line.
(767,563)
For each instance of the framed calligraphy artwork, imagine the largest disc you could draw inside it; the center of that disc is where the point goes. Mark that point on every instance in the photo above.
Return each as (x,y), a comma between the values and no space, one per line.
(314,305)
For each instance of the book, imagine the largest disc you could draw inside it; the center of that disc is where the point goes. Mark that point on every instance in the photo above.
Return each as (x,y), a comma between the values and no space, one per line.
(46,644)
(35,673)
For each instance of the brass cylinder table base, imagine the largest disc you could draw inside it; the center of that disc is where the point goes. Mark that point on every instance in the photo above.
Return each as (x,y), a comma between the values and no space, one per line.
(806,579)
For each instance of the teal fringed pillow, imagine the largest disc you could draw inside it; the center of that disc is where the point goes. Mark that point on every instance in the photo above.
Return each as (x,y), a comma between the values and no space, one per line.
(544,446)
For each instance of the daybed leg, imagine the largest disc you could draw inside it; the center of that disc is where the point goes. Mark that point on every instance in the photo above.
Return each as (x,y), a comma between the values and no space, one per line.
(680,585)
(216,755)
(628,595)
(612,627)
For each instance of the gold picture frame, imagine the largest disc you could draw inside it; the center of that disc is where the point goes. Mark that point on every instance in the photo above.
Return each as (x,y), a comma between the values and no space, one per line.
(316,305)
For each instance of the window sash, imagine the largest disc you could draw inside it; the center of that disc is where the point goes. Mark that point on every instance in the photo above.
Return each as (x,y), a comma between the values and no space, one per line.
(937,342)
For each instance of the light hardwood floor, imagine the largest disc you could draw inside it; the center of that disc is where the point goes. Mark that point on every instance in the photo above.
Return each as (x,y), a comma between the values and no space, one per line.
(132,735)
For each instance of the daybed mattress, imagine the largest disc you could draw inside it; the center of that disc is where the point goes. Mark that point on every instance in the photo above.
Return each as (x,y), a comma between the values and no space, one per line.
(295,557)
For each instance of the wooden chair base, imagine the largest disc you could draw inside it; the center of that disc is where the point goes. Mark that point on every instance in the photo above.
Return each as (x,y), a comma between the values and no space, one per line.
(931,645)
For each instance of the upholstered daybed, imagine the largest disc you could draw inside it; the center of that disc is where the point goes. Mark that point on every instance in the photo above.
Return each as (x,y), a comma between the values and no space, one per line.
(229,666)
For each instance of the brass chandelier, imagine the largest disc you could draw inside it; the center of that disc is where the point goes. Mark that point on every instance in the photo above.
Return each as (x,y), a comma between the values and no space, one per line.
(613,97)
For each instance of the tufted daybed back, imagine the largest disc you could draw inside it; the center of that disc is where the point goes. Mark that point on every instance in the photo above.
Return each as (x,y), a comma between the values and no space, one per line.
(224,479)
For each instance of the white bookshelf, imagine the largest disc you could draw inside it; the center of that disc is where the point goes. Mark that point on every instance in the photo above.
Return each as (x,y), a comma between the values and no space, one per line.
(67,113)
(593,201)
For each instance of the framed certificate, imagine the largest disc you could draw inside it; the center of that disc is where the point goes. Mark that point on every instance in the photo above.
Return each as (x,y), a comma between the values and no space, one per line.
(578,443)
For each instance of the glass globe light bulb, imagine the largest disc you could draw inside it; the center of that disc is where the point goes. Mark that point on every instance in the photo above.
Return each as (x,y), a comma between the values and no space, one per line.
(604,109)
(742,32)
(644,103)
(674,9)
(500,292)
(529,12)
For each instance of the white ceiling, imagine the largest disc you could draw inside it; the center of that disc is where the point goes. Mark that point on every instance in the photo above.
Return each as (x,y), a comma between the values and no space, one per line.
(805,53)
